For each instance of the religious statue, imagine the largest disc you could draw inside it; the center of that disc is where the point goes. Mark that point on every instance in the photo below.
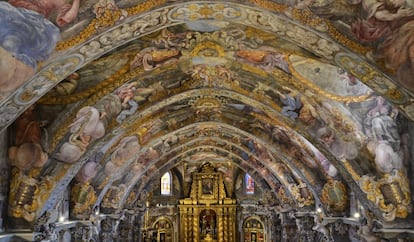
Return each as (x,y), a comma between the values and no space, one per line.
(207,224)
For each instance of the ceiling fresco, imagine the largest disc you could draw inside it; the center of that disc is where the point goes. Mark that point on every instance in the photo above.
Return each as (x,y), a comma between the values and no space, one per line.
(310,102)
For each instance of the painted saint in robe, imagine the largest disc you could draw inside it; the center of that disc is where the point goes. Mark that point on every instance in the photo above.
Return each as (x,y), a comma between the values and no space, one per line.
(27,36)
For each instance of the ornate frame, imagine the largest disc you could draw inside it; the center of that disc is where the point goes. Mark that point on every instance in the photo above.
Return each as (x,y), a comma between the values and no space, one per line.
(207,193)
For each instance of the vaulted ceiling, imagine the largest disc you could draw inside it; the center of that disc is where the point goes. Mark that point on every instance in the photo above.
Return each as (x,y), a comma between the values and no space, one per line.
(281,91)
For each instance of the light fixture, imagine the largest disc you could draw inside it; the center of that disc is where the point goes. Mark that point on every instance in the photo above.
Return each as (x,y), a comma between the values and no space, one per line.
(62,219)
(357,215)
(319,210)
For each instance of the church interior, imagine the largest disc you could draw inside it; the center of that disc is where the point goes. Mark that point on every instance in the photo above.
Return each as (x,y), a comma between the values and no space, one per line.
(197,121)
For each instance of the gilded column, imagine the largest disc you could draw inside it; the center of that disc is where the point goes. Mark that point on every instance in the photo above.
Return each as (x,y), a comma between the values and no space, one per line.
(183,215)
(190,224)
(226,225)
(185,224)
(220,224)
(232,224)
(196,223)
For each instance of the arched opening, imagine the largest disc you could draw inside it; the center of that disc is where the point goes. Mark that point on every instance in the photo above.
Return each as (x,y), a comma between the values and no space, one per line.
(296,117)
(248,184)
(208,224)
(253,230)
(163,230)
(166,184)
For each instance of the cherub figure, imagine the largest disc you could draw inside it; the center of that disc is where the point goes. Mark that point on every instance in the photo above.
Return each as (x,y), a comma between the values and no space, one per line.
(66,12)
(386,159)
(27,151)
(87,127)
(130,95)
(292,102)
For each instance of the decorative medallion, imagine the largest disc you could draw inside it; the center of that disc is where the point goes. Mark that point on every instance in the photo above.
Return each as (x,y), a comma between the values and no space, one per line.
(334,196)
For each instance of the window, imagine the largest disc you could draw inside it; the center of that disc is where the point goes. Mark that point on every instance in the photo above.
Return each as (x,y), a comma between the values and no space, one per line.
(249,184)
(166,184)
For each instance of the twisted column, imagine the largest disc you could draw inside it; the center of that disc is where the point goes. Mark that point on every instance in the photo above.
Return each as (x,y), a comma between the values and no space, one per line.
(196,223)
(226,224)
(232,224)
(220,225)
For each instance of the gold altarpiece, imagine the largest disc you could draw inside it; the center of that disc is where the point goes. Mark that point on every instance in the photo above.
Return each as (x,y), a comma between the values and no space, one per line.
(208,214)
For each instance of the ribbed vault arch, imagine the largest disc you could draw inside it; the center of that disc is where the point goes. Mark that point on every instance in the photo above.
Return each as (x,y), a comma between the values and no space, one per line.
(207,96)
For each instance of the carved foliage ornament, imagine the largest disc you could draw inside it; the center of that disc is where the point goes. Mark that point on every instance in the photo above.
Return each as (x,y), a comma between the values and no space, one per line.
(82,198)
(302,195)
(391,194)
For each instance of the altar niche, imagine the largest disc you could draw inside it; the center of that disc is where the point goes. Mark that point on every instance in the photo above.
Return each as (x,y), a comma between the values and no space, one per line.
(164,230)
(208,214)
(253,230)
(208,224)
